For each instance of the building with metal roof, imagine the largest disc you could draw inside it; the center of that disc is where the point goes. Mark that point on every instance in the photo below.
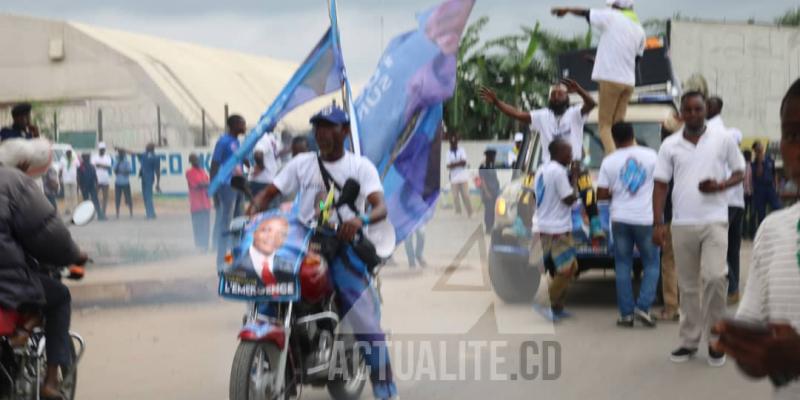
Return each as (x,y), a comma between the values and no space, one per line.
(89,83)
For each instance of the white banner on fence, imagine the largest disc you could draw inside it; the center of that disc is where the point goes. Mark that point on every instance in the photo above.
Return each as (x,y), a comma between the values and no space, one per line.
(174,164)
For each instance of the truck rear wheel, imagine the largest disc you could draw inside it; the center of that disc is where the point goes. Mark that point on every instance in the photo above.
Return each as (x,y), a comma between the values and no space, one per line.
(513,279)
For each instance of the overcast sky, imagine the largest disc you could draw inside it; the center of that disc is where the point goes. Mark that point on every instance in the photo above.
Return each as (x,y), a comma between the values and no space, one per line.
(288,29)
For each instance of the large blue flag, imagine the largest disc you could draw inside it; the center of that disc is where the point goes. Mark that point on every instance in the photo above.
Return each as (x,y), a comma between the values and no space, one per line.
(411,184)
(416,74)
(321,73)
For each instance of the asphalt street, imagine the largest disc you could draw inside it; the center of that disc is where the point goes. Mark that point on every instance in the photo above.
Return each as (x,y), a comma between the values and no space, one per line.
(157,330)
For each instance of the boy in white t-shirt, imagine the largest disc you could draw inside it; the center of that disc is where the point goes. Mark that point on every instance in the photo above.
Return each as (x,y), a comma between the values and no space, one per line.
(626,178)
(622,43)
(555,195)
(459,176)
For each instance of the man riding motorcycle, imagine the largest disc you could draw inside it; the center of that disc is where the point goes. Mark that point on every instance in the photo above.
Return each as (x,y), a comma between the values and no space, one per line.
(310,175)
(31,233)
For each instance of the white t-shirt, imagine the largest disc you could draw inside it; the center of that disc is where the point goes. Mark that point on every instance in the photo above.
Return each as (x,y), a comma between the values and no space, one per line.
(628,174)
(621,41)
(736,193)
(69,171)
(302,176)
(103,175)
(552,186)
(271,147)
(774,281)
(458,174)
(568,126)
(688,164)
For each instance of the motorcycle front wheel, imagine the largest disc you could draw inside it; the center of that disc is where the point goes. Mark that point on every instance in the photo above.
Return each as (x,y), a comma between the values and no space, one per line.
(253,373)
(350,385)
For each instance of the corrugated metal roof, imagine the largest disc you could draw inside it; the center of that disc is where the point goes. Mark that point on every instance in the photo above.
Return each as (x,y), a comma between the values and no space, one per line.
(194,77)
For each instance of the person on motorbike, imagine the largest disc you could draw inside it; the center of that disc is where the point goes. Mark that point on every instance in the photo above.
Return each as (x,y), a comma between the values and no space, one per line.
(309,175)
(32,234)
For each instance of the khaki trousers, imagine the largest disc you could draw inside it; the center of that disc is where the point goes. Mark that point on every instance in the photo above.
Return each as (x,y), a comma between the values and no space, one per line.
(669,277)
(614,98)
(700,252)
(461,190)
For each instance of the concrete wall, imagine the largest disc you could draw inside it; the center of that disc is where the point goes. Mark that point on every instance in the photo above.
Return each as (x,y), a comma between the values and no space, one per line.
(749,66)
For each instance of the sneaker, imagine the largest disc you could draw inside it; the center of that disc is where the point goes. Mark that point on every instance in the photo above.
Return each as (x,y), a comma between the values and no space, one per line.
(625,322)
(546,312)
(422,262)
(645,318)
(733,299)
(682,355)
(715,359)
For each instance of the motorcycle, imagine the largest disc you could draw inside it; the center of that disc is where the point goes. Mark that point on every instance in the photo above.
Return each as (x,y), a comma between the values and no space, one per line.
(23,367)
(294,340)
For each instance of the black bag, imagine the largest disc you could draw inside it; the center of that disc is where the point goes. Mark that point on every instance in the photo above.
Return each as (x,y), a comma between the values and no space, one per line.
(330,246)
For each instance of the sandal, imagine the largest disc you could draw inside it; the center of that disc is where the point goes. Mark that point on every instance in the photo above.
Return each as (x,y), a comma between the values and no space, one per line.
(668,316)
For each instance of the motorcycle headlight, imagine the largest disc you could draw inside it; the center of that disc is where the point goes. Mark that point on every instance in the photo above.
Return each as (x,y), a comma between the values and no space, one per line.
(500,206)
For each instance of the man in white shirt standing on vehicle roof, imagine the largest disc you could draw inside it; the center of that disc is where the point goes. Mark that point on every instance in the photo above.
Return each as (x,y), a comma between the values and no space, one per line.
(560,120)
(698,158)
(626,178)
(102,163)
(304,175)
(555,194)
(622,43)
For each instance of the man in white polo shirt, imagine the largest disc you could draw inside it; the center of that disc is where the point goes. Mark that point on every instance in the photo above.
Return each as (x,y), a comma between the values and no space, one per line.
(459,175)
(555,194)
(626,178)
(735,203)
(622,43)
(102,163)
(698,159)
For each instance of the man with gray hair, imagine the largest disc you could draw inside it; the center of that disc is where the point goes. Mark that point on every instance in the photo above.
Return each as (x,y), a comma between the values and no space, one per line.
(622,43)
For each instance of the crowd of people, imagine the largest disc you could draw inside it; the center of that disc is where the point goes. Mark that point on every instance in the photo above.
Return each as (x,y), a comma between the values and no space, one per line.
(683,210)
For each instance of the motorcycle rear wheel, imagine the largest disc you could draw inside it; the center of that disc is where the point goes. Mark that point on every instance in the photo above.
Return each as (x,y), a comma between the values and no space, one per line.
(253,372)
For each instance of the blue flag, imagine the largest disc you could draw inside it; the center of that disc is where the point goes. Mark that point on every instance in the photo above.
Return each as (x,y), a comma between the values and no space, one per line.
(411,184)
(321,73)
(416,74)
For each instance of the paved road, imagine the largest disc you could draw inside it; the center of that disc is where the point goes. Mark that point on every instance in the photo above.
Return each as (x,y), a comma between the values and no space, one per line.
(442,325)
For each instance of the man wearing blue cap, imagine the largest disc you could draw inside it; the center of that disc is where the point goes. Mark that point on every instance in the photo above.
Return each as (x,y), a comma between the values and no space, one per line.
(309,175)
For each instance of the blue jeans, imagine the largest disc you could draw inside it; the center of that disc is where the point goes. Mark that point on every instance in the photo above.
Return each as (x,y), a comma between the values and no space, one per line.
(147,196)
(625,236)
(226,210)
(414,256)
(201,220)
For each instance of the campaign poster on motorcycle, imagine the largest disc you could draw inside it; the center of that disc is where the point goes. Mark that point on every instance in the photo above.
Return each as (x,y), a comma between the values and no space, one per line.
(267,260)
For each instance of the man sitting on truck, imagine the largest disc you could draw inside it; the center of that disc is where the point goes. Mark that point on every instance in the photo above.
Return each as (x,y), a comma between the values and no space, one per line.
(622,43)
(560,121)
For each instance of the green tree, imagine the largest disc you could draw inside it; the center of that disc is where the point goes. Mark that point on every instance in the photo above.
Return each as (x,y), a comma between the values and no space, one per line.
(790,18)
(519,67)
